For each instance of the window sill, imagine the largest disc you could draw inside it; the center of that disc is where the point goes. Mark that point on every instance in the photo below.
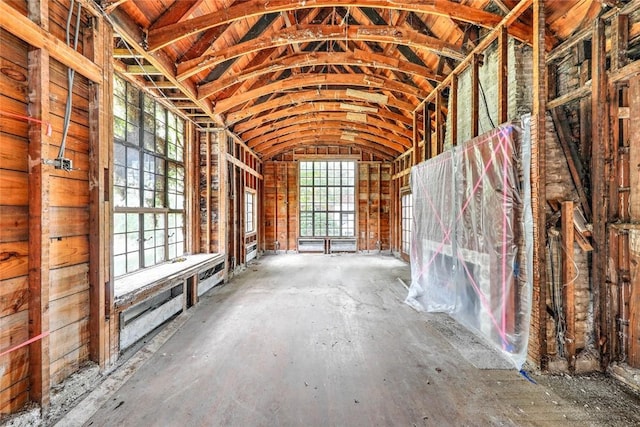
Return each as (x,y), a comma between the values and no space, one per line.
(138,285)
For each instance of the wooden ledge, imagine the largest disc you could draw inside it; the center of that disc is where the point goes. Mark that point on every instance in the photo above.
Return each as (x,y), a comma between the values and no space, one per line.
(139,285)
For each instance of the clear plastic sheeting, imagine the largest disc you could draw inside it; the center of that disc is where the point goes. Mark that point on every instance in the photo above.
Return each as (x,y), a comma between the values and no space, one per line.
(472,235)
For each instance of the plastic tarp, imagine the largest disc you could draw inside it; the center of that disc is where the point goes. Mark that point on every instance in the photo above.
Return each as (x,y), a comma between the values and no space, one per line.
(471,254)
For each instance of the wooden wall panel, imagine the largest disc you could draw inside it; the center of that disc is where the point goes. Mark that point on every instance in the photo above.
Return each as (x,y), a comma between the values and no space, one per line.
(14,224)
(14,231)
(14,259)
(14,296)
(69,227)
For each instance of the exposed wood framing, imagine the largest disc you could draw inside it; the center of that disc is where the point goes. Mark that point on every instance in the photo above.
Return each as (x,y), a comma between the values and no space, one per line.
(564,138)
(39,172)
(100,209)
(25,29)
(599,156)
(538,180)
(475,96)
(503,76)
(453,111)
(161,37)
(569,276)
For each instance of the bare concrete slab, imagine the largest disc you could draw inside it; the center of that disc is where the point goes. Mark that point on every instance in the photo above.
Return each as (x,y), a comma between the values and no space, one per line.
(318,340)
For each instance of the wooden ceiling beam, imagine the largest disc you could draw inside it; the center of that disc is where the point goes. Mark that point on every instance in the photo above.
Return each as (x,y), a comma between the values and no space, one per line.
(331,141)
(322,117)
(325,106)
(308,59)
(133,36)
(175,13)
(310,33)
(320,134)
(163,36)
(318,80)
(303,96)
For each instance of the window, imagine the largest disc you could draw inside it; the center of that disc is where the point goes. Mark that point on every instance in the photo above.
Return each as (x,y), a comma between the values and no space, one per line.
(249,210)
(148,182)
(407,220)
(327,199)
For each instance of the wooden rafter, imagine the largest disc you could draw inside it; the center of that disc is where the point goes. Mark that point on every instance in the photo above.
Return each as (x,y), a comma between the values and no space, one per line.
(315,107)
(311,120)
(380,34)
(298,60)
(328,141)
(302,96)
(160,37)
(318,80)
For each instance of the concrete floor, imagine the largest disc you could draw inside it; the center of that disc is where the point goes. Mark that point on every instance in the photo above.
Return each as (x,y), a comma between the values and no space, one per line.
(318,340)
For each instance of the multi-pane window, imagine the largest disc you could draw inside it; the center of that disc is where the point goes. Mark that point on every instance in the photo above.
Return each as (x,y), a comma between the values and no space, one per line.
(148,182)
(327,199)
(407,221)
(250,211)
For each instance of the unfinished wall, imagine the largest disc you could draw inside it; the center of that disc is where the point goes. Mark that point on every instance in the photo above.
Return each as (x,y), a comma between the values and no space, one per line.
(374,204)
(46,213)
(373,201)
(14,226)
(519,80)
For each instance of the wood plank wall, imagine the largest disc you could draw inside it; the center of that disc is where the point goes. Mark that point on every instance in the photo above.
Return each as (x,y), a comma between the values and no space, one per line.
(14,229)
(69,229)
(48,254)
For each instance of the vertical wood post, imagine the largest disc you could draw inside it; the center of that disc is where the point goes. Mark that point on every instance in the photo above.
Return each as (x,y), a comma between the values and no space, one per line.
(39,369)
(426,117)
(453,112)
(416,147)
(538,166)
(503,68)
(208,207)
(475,98)
(439,127)
(599,188)
(568,282)
(100,148)
(223,193)
(634,213)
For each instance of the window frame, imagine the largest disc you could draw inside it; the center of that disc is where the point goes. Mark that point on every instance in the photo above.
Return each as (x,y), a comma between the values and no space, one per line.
(250,194)
(311,211)
(153,170)
(406,222)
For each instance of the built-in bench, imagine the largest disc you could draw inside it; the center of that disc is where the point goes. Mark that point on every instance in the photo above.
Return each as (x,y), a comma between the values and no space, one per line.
(327,245)
(148,298)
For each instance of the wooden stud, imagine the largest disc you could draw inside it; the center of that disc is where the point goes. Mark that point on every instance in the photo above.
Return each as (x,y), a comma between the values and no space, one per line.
(439,126)
(100,154)
(475,96)
(503,73)
(453,112)
(208,194)
(569,276)
(39,172)
(571,158)
(619,41)
(634,150)
(416,148)
(426,117)
(599,187)
(538,166)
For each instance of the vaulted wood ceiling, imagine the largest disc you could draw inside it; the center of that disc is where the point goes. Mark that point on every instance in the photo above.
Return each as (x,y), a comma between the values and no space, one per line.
(283,73)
